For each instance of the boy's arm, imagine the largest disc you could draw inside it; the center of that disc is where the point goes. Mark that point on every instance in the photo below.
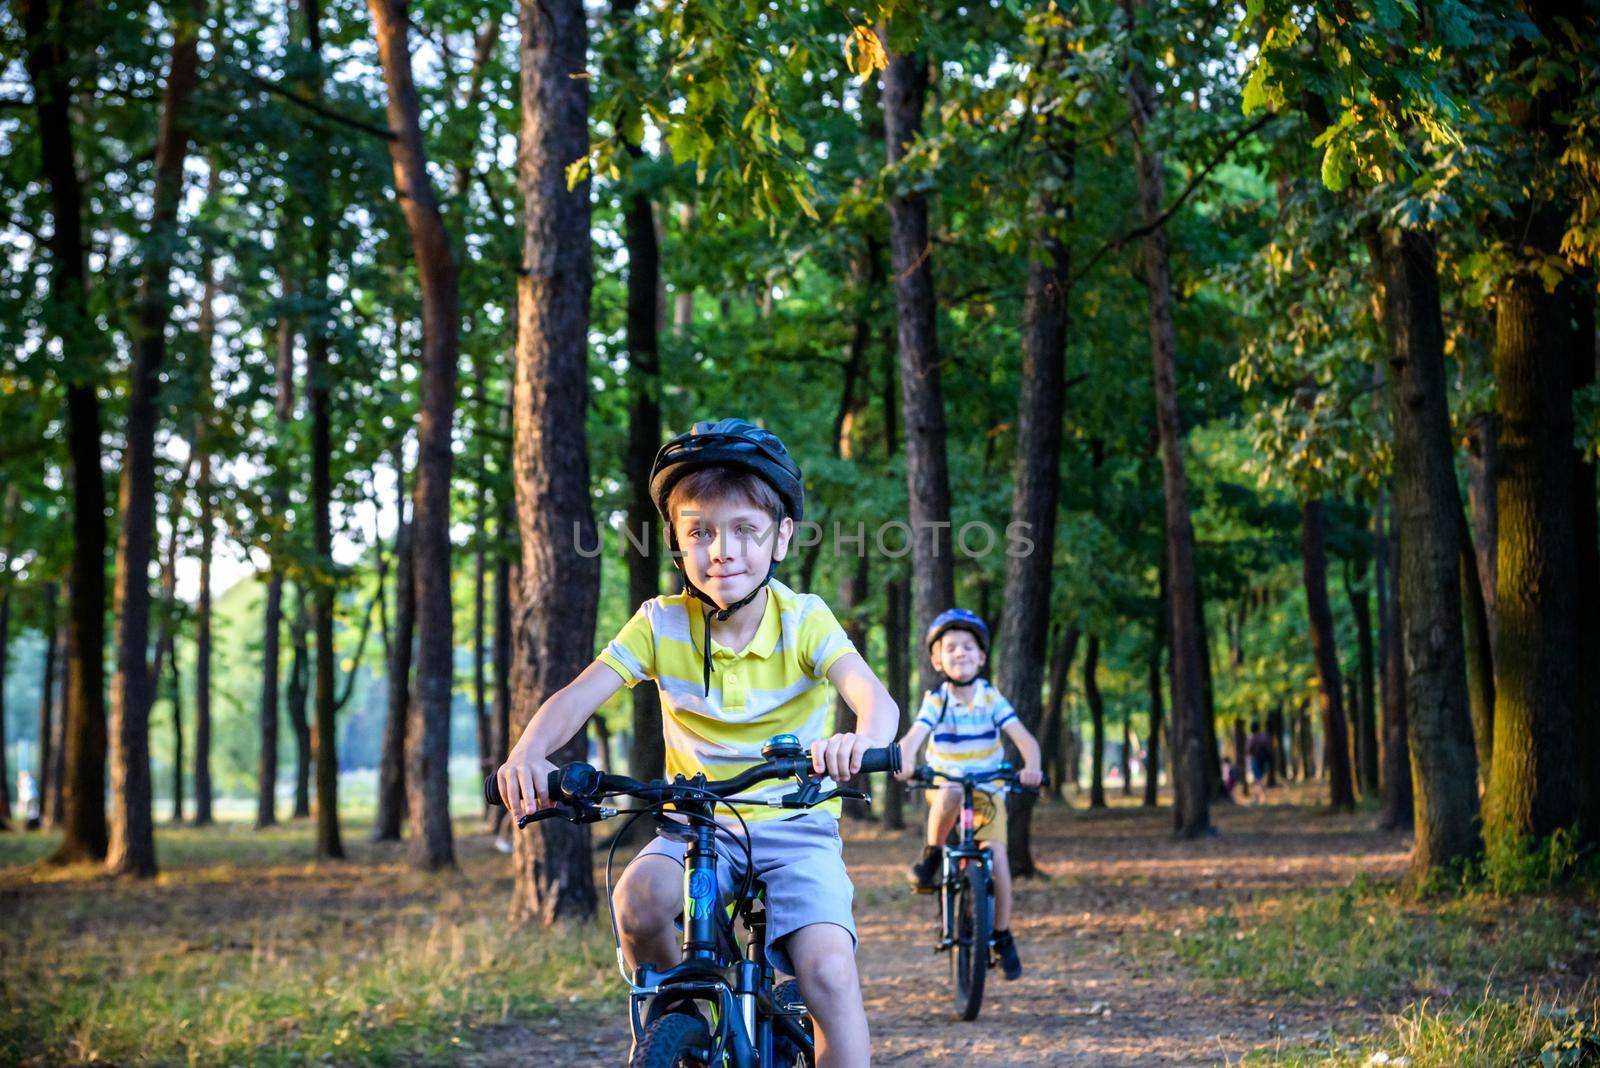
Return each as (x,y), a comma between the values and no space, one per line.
(1028,746)
(910,746)
(523,776)
(877,716)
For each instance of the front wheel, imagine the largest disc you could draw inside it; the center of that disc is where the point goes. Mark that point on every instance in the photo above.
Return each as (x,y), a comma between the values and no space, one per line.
(676,1040)
(974,927)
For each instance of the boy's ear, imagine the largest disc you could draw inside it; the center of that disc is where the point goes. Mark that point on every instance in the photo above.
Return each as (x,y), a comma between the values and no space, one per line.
(785,531)
(933,658)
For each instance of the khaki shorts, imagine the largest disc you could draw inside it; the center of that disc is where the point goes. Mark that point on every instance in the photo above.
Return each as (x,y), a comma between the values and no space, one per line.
(800,858)
(988,814)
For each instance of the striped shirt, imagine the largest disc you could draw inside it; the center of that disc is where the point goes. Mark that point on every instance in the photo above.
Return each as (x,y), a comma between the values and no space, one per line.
(965,737)
(775,685)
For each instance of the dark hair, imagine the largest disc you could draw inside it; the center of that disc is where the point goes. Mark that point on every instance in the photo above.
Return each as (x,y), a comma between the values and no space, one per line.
(720,485)
(1255,725)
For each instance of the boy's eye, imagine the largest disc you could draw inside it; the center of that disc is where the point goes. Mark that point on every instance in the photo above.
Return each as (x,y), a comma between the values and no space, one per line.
(746,530)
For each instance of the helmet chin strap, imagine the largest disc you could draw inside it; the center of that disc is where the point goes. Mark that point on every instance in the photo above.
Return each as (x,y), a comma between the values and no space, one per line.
(721,613)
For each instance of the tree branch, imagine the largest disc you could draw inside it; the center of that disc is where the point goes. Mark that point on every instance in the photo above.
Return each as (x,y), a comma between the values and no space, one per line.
(320,109)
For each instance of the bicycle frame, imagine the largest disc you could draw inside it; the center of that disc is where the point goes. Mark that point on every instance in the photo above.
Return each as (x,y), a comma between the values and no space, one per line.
(957,858)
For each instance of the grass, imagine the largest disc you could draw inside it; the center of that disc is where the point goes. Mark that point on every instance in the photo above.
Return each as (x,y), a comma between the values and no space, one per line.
(1366,941)
(1489,1031)
(243,952)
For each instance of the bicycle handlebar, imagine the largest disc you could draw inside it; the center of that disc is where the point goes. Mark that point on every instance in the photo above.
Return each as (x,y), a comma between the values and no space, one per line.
(579,783)
(925,776)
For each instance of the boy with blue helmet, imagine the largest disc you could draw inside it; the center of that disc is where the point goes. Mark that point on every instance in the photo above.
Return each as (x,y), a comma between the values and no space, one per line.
(962,722)
(738,658)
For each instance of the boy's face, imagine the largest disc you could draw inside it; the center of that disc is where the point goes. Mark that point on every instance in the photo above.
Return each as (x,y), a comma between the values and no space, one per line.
(958,654)
(728,546)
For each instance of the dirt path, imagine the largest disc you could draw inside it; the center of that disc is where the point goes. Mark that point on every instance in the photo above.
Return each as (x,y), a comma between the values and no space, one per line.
(1094,992)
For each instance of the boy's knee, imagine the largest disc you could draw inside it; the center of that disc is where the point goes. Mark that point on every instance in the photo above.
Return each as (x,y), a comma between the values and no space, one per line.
(827,967)
(648,897)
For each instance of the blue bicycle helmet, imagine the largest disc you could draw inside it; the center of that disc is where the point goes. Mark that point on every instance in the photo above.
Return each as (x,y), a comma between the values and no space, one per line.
(958,619)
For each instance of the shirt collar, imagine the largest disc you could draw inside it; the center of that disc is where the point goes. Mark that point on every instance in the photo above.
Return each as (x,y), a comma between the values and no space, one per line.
(767,631)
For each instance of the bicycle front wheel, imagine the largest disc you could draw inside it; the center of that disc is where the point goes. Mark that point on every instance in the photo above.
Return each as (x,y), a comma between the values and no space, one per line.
(974,927)
(676,1040)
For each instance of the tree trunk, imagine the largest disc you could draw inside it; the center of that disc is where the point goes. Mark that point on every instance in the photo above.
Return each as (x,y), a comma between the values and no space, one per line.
(1325,652)
(1054,745)
(897,640)
(5,653)
(506,529)
(47,685)
(1278,766)
(1362,708)
(1534,780)
(1586,528)
(1398,811)
(1036,479)
(480,693)
(299,687)
(83,750)
(132,847)
(278,505)
(392,758)
(1152,764)
(905,85)
(1479,657)
(427,780)
(1240,766)
(1191,801)
(1482,470)
(1426,500)
(647,749)
(559,588)
(1097,716)
(166,644)
(1208,700)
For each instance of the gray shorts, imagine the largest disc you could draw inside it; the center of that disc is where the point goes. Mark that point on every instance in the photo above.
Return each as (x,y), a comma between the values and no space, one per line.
(801,858)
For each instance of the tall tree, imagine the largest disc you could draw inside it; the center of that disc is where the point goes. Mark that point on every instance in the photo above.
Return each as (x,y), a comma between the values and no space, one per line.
(1426,501)
(647,749)
(1542,333)
(54,70)
(1362,711)
(47,724)
(1036,478)
(1191,800)
(132,847)
(559,588)
(1325,652)
(905,87)
(1097,717)
(427,781)
(392,755)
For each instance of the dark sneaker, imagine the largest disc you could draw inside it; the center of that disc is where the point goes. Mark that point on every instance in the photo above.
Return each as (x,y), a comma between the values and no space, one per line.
(1006,946)
(925,872)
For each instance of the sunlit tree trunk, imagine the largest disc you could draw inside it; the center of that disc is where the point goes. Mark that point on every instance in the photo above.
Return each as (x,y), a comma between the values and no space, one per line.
(559,591)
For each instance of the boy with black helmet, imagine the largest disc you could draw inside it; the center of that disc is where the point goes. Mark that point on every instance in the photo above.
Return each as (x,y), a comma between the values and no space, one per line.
(965,718)
(738,657)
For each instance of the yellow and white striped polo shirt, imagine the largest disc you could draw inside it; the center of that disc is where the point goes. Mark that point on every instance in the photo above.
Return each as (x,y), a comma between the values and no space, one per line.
(776,685)
(965,737)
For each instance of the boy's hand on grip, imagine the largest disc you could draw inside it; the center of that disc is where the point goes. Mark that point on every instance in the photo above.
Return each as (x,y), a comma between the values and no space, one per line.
(1030,777)
(525,782)
(839,757)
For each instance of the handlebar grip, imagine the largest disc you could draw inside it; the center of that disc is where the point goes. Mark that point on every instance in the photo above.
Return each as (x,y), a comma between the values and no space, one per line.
(885,759)
(491,788)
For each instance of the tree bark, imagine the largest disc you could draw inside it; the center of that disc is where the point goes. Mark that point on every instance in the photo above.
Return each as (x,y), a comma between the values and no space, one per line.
(51,68)
(1036,480)
(1097,717)
(392,758)
(299,687)
(480,691)
(1586,529)
(1366,739)
(1325,652)
(559,588)
(166,644)
(1439,725)
(1053,744)
(1191,800)
(132,847)
(5,655)
(905,85)
(1482,470)
(427,780)
(1534,779)
(47,728)
(1479,657)
(1398,811)
(278,505)
(1240,765)
(897,598)
(647,748)
(1152,764)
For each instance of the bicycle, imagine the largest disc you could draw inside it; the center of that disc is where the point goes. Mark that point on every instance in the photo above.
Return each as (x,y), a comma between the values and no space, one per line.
(748,1022)
(966,889)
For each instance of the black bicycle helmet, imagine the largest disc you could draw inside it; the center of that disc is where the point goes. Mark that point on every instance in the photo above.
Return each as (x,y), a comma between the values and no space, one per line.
(745,447)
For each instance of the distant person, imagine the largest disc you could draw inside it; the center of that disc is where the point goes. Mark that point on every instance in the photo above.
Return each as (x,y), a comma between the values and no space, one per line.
(1258,750)
(1230,777)
(28,799)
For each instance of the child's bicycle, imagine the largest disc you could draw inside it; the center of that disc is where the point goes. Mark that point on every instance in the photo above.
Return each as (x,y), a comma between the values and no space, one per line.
(966,889)
(720,1007)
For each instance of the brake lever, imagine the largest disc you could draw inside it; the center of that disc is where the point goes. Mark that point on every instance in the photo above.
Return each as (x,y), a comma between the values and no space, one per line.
(573,813)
